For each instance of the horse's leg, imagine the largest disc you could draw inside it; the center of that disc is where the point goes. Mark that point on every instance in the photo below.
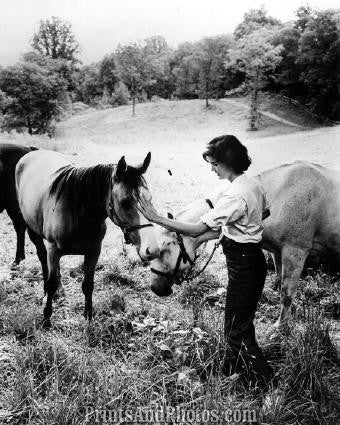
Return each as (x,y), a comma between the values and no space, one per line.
(52,283)
(293,260)
(90,261)
(278,270)
(41,251)
(20,227)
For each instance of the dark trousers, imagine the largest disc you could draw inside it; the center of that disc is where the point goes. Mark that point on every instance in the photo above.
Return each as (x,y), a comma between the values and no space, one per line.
(247,272)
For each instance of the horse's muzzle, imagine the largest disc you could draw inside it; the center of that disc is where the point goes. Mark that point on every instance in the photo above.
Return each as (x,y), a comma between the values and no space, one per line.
(161,289)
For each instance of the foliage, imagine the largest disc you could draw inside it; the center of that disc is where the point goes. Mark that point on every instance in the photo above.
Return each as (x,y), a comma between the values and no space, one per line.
(63,67)
(211,53)
(318,60)
(107,73)
(255,55)
(120,95)
(89,86)
(254,20)
(287,73)
(4,100)
(56,40)
(157,57)
(35,95)
(133,69)
(303,14)
(185,71)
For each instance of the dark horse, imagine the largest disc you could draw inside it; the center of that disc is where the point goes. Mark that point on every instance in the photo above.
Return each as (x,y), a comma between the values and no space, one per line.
(10,154)
(67,206)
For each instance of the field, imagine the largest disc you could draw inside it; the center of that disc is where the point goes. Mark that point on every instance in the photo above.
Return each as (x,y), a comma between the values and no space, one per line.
(140,350)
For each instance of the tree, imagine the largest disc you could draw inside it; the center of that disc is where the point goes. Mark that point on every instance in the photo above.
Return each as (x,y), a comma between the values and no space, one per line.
(89,87)
(256,56)
(318,60)
(303,14)
(287,72)
(254,20)
(63,67)
(34,95)
(132,68)
(184,68)
(211,54)
(56,40)
(108,74)
(157,58)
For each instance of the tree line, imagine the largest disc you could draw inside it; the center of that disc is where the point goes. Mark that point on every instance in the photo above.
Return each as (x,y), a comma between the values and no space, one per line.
(299,59)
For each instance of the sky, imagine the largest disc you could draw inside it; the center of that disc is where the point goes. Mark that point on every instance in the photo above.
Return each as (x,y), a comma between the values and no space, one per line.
(100,25)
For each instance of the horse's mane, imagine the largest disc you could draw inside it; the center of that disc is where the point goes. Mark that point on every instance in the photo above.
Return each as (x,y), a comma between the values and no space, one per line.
(86,188)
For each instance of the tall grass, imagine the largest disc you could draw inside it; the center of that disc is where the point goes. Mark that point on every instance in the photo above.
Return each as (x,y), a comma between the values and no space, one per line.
(131,356)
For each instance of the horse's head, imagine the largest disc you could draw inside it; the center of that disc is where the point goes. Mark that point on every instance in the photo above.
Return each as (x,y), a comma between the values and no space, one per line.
(127,184)
(177,254)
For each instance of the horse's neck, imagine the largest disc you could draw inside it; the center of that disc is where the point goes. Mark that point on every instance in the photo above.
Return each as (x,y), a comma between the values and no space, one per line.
(193,211)
(192,214)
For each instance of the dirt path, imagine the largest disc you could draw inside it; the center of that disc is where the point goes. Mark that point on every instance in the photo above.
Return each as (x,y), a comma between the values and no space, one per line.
(267,114)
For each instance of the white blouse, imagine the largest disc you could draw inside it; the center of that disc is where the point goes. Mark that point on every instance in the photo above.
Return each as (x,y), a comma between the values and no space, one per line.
(238,210)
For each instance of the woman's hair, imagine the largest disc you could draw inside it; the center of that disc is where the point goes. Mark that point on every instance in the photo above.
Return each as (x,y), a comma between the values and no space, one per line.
(230,151)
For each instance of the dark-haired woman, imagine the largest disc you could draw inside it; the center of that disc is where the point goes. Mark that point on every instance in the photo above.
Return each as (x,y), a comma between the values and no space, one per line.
(238,214)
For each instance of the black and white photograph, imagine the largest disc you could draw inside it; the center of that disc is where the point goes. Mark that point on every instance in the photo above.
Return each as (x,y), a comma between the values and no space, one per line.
(170,212)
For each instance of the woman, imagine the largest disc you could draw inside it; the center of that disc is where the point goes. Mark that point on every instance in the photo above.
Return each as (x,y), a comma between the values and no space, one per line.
(238,215)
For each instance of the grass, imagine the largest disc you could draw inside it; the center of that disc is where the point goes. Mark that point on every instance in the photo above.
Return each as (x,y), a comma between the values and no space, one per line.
(141,350)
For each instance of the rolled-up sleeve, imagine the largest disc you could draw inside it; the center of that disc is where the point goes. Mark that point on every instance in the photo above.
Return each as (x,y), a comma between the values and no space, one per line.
(227,210)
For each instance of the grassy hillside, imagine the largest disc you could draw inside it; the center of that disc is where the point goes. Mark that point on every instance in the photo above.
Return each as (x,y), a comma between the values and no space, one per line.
(154,354)
(176,134)
(166,120)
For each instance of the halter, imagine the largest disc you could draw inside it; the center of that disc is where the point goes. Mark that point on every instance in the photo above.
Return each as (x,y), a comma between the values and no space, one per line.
(183,255)
(126,228)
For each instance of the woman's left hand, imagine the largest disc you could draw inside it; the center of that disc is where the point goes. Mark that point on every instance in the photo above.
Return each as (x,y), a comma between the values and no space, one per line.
(147,209)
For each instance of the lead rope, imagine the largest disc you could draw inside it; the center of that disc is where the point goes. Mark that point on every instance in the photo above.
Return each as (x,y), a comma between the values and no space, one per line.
(187,277)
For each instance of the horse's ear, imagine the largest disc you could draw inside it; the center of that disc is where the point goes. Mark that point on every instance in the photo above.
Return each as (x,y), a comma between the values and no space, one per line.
(170,216)
(120,169)
(146,163)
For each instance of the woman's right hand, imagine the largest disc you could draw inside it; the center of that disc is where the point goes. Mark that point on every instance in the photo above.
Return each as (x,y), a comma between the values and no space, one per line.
(147,209)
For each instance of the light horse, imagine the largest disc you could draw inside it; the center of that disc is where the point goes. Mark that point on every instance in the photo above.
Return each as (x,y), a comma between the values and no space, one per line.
(304,222)
(67,206)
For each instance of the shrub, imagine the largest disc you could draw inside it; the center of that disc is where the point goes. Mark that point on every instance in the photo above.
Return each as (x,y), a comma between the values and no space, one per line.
(120,96)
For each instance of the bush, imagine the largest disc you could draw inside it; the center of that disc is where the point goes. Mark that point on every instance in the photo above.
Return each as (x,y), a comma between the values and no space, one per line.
(120,96)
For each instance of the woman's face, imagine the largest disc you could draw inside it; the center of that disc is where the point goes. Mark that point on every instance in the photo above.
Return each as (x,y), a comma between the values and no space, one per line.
(222,171)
